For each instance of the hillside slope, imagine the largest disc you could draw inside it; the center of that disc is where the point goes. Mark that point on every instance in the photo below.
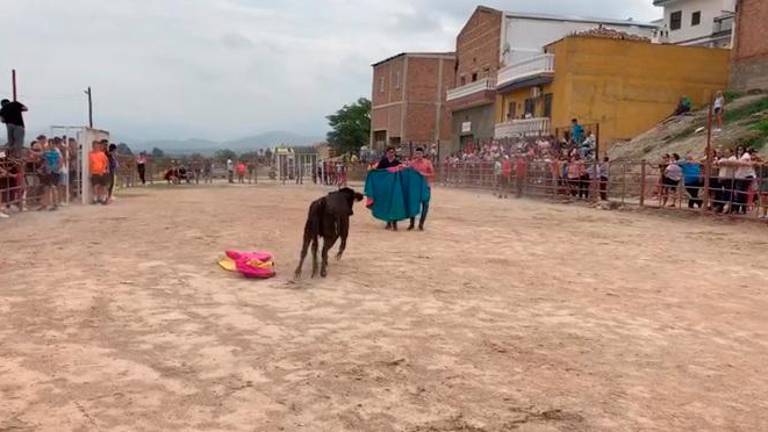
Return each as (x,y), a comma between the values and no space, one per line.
(746,123)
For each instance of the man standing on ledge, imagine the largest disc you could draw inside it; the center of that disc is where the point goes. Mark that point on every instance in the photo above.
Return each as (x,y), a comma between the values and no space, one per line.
(425,168)
(14,122)
(388,161)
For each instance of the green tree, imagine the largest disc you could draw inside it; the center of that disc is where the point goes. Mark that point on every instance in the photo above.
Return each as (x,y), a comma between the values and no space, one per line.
(350,127)
(157,153)
(224,154)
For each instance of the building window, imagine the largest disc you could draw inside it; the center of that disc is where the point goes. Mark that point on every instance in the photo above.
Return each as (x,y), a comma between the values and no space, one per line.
(474,77)
(696,19)
(530,107)
(548,105)
(676,20)
(512,110)
(381,85)
(397,79)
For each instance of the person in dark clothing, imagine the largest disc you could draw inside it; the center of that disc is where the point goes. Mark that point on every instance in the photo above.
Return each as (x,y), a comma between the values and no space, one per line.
(141,165)
(388,161)
(14,123)
(112,157)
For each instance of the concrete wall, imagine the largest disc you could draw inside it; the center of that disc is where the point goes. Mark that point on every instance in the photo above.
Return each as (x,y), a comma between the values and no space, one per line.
(750,51)
(628,87)
(482,121)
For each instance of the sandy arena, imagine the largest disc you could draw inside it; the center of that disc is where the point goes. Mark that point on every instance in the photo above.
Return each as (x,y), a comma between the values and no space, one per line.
(504,316)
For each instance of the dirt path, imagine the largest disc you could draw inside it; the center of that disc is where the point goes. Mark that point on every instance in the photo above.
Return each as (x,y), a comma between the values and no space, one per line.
(505,316)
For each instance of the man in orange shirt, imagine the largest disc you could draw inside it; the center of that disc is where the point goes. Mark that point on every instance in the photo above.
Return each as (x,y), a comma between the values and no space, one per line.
(99,167)
(425,168)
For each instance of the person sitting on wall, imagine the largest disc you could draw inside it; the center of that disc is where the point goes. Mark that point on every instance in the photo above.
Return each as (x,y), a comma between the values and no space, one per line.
(684,106)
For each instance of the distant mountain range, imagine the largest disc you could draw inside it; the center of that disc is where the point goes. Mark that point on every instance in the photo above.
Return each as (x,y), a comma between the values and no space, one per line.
(245,144)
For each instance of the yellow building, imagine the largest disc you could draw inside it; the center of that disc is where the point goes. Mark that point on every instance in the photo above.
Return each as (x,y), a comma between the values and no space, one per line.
(625,86)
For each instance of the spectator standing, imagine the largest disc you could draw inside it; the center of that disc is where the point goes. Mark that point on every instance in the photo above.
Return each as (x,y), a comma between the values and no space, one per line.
(497,176)
(744,176)
(50,176)
(425,168)
(506,175)
(692,180)
(207,171)
(63,149)
(230,170)
(672,176)
(6,186)
(141,166)
(11,114)
(521,174)
(99,168)
(241,168)
(577,133)
(113,165)
(725,173)
(719,107)
(602,170)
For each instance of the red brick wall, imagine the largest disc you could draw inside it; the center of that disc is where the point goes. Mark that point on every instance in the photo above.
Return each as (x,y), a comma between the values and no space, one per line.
(750,52)
(477,46)
(752,30)
(424,96)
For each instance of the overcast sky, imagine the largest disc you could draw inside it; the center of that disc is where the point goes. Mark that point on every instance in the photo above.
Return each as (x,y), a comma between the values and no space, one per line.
(221,69)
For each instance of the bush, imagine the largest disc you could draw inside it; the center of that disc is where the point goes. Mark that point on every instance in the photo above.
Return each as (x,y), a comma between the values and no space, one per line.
(741,113)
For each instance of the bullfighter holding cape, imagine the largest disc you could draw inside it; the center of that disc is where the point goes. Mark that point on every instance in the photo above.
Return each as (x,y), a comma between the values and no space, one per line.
(397,193)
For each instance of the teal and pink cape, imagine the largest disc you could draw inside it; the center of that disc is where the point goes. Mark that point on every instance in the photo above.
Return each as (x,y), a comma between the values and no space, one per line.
(396,194)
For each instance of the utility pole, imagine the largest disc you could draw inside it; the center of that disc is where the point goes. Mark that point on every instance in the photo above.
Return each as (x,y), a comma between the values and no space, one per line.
(90,107)
(13,83)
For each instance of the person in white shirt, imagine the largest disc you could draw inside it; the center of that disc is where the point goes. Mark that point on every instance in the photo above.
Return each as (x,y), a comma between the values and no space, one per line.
(230,170)
(724,188)
(744,176)
(719,108)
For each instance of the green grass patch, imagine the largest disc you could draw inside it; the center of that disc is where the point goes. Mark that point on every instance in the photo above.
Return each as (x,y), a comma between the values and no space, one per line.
(736,114)
(732,95)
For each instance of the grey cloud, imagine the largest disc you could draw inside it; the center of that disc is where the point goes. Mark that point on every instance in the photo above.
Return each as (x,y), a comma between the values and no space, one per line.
(219,69)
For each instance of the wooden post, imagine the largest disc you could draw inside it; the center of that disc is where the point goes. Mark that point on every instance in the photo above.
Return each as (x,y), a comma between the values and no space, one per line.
(642,183)
(13,83)
(708,166)
(624,182)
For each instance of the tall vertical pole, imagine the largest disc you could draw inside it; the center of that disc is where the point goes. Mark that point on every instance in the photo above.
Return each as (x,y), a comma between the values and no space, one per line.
(708,166)
(13,83)
(90,107)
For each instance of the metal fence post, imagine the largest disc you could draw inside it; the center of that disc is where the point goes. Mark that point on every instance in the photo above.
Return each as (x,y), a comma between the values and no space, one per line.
(642,183)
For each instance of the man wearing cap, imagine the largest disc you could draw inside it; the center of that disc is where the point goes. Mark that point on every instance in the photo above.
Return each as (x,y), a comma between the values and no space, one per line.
(14,123)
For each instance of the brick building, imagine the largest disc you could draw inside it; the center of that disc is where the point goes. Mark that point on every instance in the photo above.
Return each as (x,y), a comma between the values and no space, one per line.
(472,96)
(750,49)
(408,99)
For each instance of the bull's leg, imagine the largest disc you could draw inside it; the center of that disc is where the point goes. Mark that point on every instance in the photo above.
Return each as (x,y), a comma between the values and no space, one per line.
(328,243)
(304,248)
(315,243)
(343,233)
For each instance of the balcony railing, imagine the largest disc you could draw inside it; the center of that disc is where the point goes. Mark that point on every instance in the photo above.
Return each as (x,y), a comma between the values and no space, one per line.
(525,127)
(478,86)
(529,68)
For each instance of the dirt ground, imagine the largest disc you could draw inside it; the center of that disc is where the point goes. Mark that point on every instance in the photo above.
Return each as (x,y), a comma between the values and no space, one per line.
(503,316)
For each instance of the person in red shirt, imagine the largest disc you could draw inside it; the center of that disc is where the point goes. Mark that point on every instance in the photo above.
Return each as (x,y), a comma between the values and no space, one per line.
(506,175)
(521,172)
(425,168)
(241,168)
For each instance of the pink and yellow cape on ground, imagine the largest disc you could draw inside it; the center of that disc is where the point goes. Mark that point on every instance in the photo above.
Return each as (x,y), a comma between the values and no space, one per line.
(253,265)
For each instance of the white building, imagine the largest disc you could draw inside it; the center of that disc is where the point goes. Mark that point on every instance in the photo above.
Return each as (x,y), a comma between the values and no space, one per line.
(697,22)
(525,35)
